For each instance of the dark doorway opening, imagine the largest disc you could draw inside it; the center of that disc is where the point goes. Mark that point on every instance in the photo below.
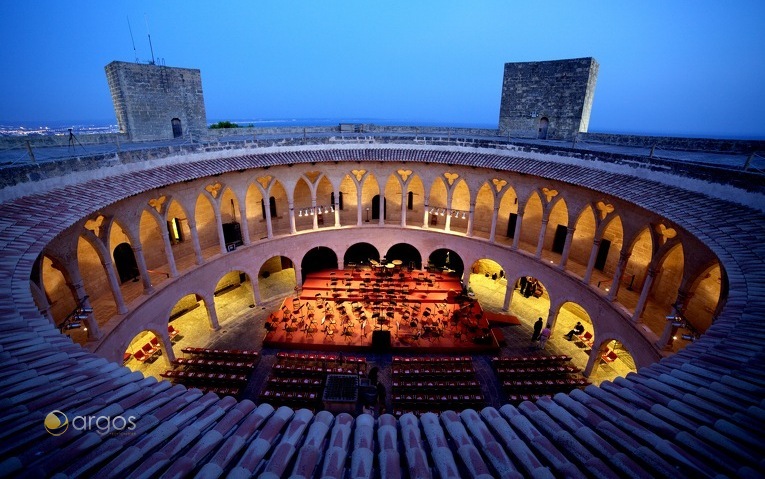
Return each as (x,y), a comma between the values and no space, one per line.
(124,260)
(405,252)
(318,259)
(361,253)
(600,260)
(446,260)
(560,239)
(376,208)
(544,124)
(177,130)
(511,225)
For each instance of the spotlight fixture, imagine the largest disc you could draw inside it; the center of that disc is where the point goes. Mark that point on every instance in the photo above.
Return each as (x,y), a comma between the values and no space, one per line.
(301,213)
(463,215)
(443,212)
(332,207)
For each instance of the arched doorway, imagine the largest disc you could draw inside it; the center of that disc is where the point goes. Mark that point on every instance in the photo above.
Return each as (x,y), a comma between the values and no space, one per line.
(124,260)
(544,124)
(405,252)
(376,208)
(318,259)
(177,129)
(361,253)
(447,261)
(276,277)
(487,281)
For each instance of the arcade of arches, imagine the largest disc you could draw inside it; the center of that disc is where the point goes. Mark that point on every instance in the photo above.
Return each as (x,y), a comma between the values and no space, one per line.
(203,253)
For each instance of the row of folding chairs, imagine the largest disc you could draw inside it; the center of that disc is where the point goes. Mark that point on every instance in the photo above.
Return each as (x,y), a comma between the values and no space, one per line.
(421,386)
(538,372)
(323,358)
(309,369)
(433,370)
(544,385)
(431,359)
(298,382)
(214,364)
(439,402)
(199,376)
(516,360)
(222,353)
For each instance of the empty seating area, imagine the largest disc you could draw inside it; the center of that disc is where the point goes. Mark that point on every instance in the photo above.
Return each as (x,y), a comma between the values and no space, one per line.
(433,384)
(297,380)
(526,378)
(149,352)
(222,371)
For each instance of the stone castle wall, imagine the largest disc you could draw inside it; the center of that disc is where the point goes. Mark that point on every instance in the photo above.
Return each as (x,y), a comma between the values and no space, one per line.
(559,91)
(148,97)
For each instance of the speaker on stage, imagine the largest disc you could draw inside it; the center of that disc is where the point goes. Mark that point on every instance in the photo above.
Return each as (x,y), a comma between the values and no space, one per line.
(381,341)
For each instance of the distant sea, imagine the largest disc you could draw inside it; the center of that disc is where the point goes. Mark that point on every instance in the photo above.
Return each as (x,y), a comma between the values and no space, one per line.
(43,128)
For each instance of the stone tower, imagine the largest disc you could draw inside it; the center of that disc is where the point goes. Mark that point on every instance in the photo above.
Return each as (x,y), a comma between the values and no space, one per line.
(155,102)
(548,100)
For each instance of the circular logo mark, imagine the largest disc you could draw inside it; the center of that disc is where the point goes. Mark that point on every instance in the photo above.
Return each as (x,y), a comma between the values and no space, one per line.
(56,423)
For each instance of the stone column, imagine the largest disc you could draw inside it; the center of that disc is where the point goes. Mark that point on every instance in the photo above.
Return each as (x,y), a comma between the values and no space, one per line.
(81,296)
(255,284)
(167,349)
(471,219)
(299,275)
(594,360)
(541,240)
(114,284)
(337,210)
(494,217)
(169,253)
(269,226)
(245,224)
(517,234)
(425,218)
(509,289)
(552,318)
(221,236)
(291,209)
(566,249)
(195,241)
(644,294)
(403,207)
(448,221)
(381,210)
(591,261)
(211,313)
(315,218)
(668,335)
(141,261)
(624,257)
(359,207)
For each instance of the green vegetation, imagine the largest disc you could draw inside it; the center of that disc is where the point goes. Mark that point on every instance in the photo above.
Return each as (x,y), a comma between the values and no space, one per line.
(223,124)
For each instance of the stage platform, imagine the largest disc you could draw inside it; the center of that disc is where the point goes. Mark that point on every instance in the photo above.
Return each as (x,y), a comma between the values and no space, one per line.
(390,309)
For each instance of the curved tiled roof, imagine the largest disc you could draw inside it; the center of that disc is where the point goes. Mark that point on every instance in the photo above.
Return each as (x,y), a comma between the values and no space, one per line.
(697,413)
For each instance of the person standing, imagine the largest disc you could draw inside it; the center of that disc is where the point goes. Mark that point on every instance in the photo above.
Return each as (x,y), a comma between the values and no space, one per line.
(543,337)
(523,281)
(537,329)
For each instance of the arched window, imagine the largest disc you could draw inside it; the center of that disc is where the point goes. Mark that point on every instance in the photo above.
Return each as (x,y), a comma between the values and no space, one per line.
(177,130)
(410,201)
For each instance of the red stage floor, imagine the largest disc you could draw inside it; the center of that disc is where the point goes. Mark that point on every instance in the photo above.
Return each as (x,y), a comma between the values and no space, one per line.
(416,312)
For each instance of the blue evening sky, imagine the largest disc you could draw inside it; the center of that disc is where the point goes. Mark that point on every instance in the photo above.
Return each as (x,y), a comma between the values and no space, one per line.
(693,68)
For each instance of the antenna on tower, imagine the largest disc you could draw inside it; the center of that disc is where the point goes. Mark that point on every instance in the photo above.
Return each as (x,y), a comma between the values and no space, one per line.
(132,40)
(146,18)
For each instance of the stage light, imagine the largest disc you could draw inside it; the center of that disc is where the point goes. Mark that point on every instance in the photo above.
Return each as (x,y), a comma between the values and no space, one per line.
(463,215)
(332,208)
(443,212)
(311,211)
(301,213)
(326,210)
(86,310)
